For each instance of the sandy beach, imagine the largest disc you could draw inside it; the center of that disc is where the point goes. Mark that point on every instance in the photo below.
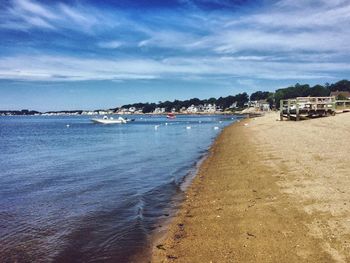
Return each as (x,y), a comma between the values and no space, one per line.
(269,191)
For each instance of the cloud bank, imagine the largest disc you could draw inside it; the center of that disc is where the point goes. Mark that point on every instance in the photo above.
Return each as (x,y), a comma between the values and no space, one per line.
(280,40)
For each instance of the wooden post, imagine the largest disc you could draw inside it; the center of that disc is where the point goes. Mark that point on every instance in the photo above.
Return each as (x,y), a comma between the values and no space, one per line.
(297,110)
(288,110)
(281,110)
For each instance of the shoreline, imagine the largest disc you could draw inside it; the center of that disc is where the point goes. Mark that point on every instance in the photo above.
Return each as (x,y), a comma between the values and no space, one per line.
(160,234)
(248,204)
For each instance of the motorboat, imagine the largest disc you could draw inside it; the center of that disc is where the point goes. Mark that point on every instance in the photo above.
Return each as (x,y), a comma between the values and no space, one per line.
(111,120)
(171,116)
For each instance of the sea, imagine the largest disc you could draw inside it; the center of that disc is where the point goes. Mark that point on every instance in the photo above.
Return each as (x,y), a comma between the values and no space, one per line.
(74,191)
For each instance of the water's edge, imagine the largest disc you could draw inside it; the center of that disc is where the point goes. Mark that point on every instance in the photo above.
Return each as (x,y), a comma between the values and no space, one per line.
(156,237)
(159,234)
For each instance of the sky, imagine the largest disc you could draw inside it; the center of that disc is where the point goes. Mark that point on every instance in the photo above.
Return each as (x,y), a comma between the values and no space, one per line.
(92,54)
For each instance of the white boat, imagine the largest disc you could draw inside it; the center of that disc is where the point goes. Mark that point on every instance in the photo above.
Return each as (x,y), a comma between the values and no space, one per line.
(111,120)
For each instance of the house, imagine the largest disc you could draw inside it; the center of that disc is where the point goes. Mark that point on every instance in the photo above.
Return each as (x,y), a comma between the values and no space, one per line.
(251,103)
(123,111)
(192,109)
(209,108)
(262,105)
(200,108)
(183,110)
(342,94)
(132,109)
(88,113)
(159,110)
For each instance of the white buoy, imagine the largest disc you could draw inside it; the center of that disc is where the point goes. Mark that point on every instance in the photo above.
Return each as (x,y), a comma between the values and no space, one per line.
(156,127)
(188,127)
(67,125)
(166,123)
(216,128)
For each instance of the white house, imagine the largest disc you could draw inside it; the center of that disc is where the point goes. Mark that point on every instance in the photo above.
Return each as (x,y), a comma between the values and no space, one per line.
(192,109)
(183,110)
(209,108)
(263,105)
(132,109)
(159,110)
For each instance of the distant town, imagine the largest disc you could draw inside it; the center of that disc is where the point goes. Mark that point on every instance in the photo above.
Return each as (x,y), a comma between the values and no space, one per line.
(259,100)
(205,108)
(193,109)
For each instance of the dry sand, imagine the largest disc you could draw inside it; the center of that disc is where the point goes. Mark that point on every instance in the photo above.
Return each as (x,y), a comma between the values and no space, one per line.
(270,191)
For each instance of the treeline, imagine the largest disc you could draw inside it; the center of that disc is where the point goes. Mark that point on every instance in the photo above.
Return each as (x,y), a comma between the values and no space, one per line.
(19,112)
(222,102)
(65,112)
(273,98)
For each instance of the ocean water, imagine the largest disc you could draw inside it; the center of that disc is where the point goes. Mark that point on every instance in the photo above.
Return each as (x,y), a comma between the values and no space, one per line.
(90,192)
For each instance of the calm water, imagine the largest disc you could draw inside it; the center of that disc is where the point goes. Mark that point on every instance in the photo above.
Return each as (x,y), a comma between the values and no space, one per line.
(92,193)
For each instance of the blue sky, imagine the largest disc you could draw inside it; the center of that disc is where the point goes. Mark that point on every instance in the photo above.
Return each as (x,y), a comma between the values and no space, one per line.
(89,54)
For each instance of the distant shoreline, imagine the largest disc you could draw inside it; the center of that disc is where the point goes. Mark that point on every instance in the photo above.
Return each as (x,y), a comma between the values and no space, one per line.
(151,114)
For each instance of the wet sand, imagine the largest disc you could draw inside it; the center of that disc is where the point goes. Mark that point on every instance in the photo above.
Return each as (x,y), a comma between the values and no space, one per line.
(269,191)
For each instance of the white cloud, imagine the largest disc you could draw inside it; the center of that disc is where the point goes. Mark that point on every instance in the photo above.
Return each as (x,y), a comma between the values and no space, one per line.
(272,42)
(23,14)
(34,9)
(288,40)
(169,39)
(28,14)
(39,22)
(75,15)
(71,68)
(302,4)
(317,16)
(318,26)
(110,44)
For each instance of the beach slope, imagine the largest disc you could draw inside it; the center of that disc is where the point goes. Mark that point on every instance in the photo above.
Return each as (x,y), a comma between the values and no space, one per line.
(269,191)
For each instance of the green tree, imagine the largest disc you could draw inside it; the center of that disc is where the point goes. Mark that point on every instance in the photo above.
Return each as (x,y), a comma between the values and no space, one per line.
(318,91)
(259,95)
(149,107)
(241,99)
(343,85)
